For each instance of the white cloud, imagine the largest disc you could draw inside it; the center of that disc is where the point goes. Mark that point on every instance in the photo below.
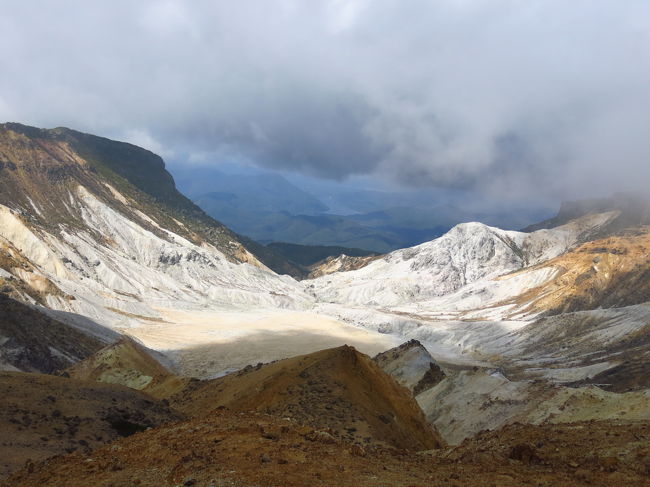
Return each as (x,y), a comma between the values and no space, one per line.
(542,97)
(142,138)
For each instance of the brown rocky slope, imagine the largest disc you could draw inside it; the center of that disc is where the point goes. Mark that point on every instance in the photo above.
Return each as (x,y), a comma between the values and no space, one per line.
(259,450)
(43,415)
(329,418)
(340,389)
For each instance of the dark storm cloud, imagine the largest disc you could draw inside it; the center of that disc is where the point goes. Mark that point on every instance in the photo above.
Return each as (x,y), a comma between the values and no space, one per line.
(522,98)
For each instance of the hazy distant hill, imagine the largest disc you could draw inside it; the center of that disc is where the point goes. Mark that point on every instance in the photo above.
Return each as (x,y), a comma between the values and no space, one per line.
(246,192)
(268,207)
(307,255)
(634,209)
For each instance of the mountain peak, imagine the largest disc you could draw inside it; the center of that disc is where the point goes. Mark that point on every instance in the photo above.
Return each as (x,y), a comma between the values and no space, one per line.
(42,169)
(338,388)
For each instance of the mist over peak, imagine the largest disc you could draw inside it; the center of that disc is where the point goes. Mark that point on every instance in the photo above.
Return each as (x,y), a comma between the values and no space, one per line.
(520,101)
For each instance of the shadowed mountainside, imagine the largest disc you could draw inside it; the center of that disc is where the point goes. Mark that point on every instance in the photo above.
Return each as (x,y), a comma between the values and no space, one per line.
(31,341)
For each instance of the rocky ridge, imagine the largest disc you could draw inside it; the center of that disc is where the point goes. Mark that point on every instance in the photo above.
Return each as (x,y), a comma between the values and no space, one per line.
(339,389)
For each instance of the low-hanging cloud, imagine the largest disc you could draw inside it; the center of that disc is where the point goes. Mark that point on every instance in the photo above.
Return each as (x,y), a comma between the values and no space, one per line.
(543,97)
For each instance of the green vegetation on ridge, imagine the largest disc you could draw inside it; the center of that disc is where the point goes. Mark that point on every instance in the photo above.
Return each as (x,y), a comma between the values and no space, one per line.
(307,255)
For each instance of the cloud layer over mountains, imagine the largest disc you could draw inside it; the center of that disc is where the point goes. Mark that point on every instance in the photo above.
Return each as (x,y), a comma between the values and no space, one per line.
(543,97)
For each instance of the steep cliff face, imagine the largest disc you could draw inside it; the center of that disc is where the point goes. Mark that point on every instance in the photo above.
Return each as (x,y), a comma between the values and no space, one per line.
(96,228)
(411,365)
(42,169)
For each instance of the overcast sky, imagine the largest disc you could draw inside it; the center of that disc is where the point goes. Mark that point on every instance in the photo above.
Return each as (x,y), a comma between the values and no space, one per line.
(533,99)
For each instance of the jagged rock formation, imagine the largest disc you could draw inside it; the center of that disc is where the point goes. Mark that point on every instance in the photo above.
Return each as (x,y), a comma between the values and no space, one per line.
(411,365)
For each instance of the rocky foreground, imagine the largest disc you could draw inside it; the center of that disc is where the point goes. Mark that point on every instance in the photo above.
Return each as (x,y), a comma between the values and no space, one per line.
(329,418)
(256,449)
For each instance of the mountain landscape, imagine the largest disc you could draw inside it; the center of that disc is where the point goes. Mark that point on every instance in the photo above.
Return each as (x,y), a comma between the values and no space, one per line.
(270,209)
(143,342)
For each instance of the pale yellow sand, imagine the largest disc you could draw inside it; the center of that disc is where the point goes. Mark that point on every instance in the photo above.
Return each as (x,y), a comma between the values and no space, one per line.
(206,343)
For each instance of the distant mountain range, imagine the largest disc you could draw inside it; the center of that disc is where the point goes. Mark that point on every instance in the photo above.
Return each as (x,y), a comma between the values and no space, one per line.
(269,208)
(246,192)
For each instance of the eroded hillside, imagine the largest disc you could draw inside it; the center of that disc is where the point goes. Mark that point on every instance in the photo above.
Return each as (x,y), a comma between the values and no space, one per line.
(339,389)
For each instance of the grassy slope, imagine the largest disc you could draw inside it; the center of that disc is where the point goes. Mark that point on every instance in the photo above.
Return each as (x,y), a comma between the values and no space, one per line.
(307,255)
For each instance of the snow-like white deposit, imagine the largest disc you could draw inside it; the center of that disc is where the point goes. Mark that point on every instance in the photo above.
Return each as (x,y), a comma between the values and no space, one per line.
(181,297)
(15,231)
(467,402)
(114,268)
(468,253)
(407,364)
(172,294)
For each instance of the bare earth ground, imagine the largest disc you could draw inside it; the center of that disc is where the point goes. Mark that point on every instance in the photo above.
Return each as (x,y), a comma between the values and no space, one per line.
(42,415)
(216,342)
(254,449)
